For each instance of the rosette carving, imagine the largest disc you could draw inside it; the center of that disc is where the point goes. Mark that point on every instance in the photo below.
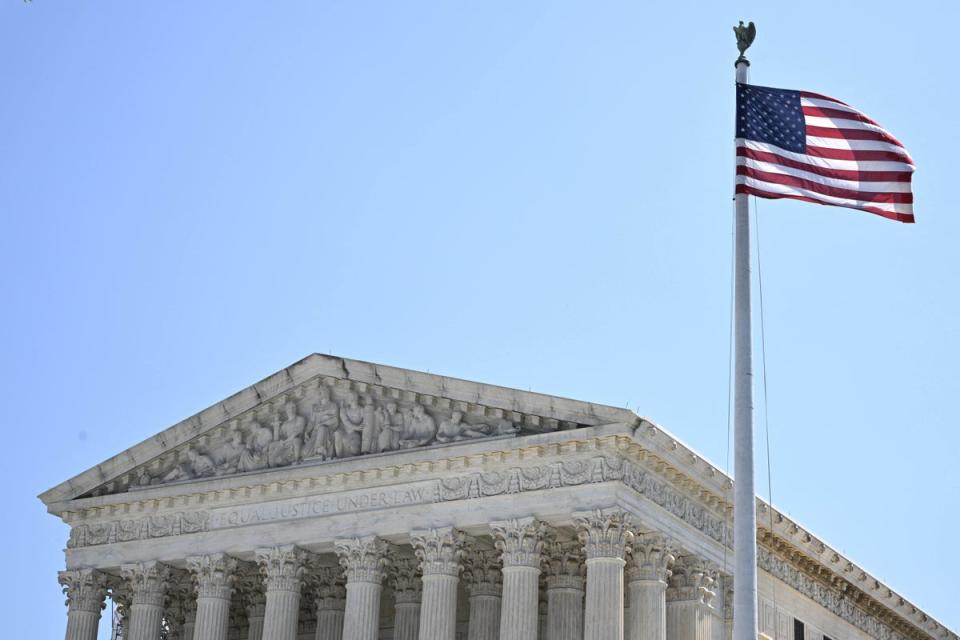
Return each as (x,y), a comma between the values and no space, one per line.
(604,533)
(282,568)
(363,559)
(439,550)
(86,589)
(519,541)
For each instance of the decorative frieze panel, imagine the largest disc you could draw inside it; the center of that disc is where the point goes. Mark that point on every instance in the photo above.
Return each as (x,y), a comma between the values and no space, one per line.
(832,599)
(328,419)
(153,526)
(579,472)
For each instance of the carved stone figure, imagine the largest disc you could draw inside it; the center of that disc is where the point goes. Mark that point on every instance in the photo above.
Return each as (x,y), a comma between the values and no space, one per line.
(288,431)
(420,429)
(455,428)
(257,440)
(227,455)
(391,427)
(347,439)
(193,465)
(371,430)
(324,422)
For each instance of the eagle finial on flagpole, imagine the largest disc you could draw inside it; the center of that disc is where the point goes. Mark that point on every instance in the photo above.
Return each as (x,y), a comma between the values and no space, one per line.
(745,36)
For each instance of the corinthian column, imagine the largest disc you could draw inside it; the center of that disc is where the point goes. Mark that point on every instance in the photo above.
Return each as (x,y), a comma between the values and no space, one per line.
(254,602)
(214,575)
(647,579)
(564,564)
(407,596)
(520,542)
(86,591)
(329,598)
(484,579)
(364,562)
(605,536)
(689,594)
(439,551)
(282,569)
(147,583)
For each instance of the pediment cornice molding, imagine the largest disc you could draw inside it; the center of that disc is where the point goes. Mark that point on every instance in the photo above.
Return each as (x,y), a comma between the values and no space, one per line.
(529,412)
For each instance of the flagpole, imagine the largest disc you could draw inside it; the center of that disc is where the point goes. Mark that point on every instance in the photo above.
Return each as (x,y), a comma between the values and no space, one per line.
(744,500)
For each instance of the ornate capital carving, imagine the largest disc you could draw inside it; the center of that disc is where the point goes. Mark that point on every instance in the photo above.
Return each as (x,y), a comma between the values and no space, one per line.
(86,589)
(692,579)
(405,579)
(252,596)
(651,558)
(439,550)
(363,559)
(147,582)
(481,571)
(564,564)
(519,541)
(604,533)
(214,575)
(282,568)
(326,586)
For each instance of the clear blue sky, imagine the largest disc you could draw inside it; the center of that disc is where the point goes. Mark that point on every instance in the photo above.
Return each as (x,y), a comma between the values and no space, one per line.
(537,194)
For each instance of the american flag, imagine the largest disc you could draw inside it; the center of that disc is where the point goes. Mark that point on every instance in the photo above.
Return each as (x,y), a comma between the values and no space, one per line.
(802,145)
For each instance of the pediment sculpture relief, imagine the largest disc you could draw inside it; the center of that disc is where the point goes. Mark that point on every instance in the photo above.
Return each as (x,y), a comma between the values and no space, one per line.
(327,420)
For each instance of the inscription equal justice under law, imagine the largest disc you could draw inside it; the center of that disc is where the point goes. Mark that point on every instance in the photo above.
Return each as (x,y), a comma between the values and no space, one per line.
(313,507)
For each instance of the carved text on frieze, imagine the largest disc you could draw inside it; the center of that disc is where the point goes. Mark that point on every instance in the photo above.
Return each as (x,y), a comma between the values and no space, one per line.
(362,501)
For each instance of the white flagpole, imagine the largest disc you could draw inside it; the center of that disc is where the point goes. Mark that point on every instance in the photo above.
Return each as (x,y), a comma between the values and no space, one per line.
(744,499)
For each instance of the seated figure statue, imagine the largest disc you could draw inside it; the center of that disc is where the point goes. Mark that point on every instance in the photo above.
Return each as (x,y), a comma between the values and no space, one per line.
(227,455)
(287,444)
(324,422)
(391,427)
(419,430)
(254,456)
(456,429)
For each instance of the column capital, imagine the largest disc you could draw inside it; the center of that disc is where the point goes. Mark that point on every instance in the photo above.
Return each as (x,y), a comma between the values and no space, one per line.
(214,575)
(604,533)
(651,558)
(405,579)
(86,589)
(282,567)
(439,550)
(363,559)
(564,564)
(692,579)
(519,541)
(327,588)
(147,582)
(252,596)
(481,571)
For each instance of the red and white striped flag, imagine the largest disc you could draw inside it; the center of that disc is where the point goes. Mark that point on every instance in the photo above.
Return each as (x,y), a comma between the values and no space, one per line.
(802,145)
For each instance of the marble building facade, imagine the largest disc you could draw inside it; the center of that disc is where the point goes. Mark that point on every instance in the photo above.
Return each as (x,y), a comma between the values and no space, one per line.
(340,499)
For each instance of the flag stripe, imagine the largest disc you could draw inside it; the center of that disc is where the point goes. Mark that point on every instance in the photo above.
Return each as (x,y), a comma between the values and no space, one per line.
(900,216)
(845,163)
(825,189)
(861,174)
(830,112)
(850,134)
(807,176)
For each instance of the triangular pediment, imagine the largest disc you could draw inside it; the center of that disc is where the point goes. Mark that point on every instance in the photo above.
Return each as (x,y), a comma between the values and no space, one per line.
(329,408)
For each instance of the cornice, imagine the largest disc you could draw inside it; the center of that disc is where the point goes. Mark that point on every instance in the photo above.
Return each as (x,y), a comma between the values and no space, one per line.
(531,409)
